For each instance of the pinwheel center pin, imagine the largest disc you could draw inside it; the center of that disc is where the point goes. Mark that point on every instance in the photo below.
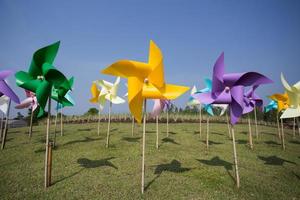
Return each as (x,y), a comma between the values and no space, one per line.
(40,77)
(146,81)
(227,89)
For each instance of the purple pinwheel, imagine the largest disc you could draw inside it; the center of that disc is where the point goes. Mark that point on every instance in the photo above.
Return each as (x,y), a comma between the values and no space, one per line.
(229,88)
(252,100)
(159,105)
(5,89)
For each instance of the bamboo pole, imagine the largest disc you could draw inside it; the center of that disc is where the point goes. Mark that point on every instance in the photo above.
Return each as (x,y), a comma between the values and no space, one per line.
(278,127)
(143,152)
(255,118)
(282,135)
(237,176)
(250,132)
(207,132)
(156,132)
(200,120)
(47,157)
(98,130)
(61,122)
(132,126)
(30,124)
(1,127)
(167,122)
(228,126)
(6,126)
(108,125)
(55,124)
(294,128)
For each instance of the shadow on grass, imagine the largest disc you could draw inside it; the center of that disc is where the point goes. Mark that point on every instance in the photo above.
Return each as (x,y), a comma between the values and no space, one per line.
(86,139)
(131,139)
(84,129)
(267,133)
(170,132)
(66,177)
(274,160)
(169,140)
(294,142)
(14,131)
(216,161)
(271,142)
(244,132)
(216,133)
(212,142)
(174,166)
(242,141)
(87,163)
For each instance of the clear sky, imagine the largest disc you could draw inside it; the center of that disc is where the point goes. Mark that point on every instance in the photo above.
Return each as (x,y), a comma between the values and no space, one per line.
(256,35)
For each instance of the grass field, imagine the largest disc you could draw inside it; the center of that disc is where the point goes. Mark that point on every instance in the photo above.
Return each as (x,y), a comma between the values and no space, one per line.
(182,168)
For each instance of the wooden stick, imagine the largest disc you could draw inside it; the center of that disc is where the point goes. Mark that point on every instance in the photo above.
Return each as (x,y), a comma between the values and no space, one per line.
(250,132)
(167,122)
(200,120)
(55,124)
(156,132)
(30,125)
(98,130)
(235,159)
(298,126)
(108,125)
(6,126)
(278,126)
(61,122)
(132,126)
(144,139)
(294,128)
(282,135)
(207,132)
(228,126)
(47,160)
(256,129)
(1,127)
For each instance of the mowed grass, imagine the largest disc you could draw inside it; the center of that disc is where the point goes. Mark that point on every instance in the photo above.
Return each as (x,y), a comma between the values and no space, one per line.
(182,168)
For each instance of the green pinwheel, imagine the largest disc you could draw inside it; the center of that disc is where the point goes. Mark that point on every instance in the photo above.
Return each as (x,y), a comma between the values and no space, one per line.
(44,79)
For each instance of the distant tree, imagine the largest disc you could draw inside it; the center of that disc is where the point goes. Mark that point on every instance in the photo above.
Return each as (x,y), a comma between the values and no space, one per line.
(92,111)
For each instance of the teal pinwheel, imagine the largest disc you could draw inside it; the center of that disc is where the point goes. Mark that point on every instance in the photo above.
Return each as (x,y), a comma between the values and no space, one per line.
(273,105)
(44,79)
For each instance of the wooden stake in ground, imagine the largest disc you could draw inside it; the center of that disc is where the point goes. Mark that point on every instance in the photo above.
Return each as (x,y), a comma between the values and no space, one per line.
(294,128)
(55,124)
(108,125)
(207,132)
(255,118)
(228,126)
(167,122)
(6,126)
(200,119)
(282,135)
(237,176)
(98,130)
(132,126)
(278,126)
(156,132)
(48,153)
(30,124)
(61,122)
(143,150)
(250,132)
(1,127)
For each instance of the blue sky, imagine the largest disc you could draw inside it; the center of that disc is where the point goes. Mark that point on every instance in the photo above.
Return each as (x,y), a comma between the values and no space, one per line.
(256,35)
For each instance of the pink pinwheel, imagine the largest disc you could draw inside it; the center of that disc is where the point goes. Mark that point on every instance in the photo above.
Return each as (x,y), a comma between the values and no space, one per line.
(159,105)
(229,88)
(5,89)
(30,101)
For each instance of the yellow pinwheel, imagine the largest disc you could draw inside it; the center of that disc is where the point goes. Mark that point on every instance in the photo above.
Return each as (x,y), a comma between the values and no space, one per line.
(282,101)
(293,93)
(108,92)
(145,80)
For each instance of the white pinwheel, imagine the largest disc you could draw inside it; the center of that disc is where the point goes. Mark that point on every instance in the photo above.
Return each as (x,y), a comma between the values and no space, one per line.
(4,101)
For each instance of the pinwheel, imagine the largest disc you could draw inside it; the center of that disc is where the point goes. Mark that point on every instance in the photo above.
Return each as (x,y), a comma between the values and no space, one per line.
(283,103)
(108,93)
(145,81)
(158,107)
(229,89)
(293,111)
(68,101)
(5,90)
(31,102)
(46,82)
(4,101)
(273,105)
(251,102)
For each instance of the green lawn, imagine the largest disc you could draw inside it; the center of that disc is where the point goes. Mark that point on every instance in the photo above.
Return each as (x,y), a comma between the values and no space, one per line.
(182,168)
